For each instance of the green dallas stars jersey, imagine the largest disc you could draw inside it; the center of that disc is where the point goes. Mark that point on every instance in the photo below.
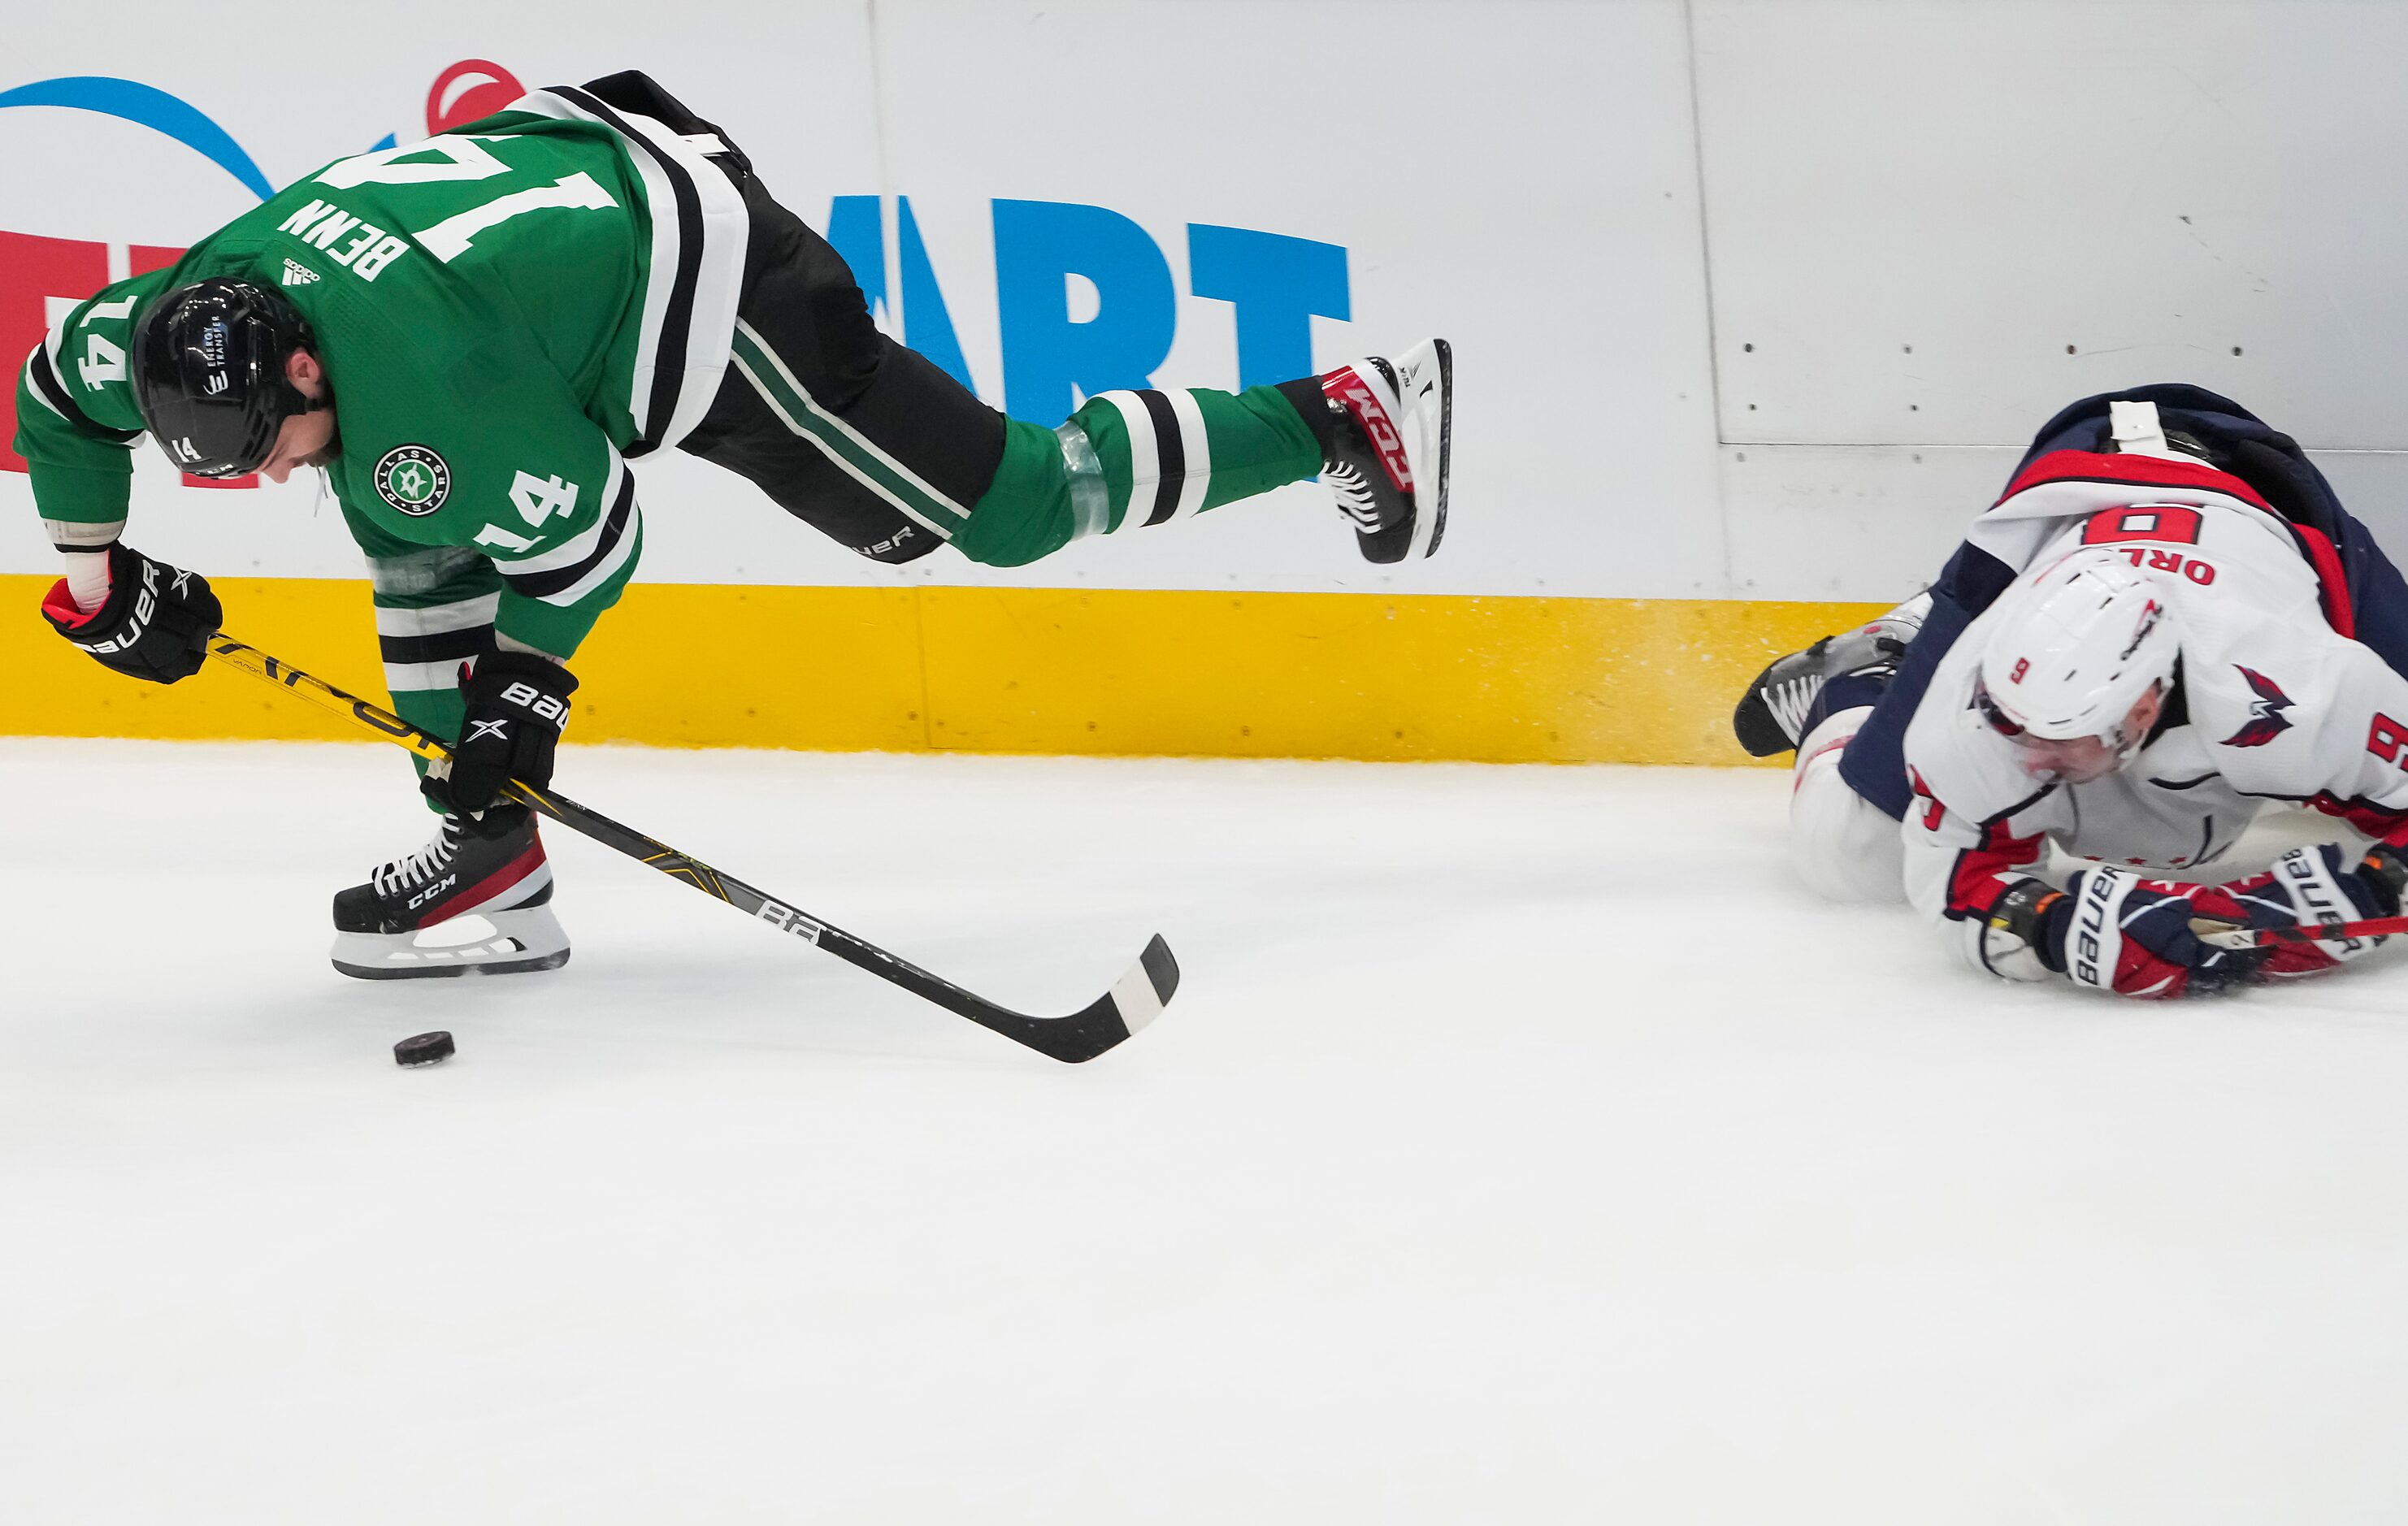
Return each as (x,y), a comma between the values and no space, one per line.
(507,313)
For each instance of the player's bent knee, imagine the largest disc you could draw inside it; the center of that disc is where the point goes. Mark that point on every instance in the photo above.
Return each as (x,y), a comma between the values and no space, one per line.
(1843,847)
(1025,512)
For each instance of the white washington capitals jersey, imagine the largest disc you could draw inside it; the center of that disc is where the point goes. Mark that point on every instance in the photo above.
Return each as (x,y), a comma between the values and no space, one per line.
(2271,704)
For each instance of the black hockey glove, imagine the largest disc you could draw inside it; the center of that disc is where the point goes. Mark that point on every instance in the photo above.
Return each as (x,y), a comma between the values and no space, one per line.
(517,704)
(155,625)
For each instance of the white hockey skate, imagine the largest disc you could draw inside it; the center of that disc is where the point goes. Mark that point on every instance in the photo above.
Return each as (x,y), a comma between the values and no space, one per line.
(466,903)
(1391,448)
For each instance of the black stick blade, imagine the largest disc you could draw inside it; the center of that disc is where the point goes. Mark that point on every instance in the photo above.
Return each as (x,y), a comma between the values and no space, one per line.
(1147,989)
(1134,1000)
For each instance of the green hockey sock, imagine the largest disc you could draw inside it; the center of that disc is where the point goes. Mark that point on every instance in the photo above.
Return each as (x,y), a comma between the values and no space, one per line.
(1132,458)
(434,607)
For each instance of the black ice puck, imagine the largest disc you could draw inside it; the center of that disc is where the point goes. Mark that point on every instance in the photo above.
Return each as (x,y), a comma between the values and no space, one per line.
(423,1049)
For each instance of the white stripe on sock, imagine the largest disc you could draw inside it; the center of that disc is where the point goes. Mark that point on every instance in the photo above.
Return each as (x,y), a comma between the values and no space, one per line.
(418,677)
(1145,455)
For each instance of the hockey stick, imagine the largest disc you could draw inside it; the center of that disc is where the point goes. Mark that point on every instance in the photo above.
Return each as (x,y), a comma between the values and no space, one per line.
(2261,937)
(1136,1000)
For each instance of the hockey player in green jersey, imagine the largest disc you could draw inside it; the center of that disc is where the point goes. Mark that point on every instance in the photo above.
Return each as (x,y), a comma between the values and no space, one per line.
(474,336)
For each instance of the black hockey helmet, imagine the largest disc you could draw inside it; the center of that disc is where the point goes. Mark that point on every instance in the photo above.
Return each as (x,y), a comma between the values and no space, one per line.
(208,374)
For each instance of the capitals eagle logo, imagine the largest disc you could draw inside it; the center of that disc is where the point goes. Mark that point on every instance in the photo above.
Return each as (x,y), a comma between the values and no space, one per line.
(2265,721)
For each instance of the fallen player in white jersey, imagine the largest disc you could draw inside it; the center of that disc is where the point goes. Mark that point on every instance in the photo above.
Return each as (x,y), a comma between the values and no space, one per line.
(2138,651)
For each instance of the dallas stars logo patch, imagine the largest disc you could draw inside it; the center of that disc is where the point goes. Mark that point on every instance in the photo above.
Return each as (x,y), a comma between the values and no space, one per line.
(413,479)
(2265,721)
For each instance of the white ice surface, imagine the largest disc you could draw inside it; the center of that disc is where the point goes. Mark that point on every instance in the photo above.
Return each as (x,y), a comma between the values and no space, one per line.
(1522,1147)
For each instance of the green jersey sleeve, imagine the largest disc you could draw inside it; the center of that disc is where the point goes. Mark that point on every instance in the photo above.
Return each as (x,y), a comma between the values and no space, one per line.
(569,549)
(539,495)
(77,422)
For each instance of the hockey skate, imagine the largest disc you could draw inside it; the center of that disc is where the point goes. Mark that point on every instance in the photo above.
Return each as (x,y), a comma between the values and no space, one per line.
(465,903)
(1391,448)
(1772,715)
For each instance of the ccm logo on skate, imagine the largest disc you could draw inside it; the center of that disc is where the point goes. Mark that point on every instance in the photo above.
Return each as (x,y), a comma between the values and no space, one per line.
(787,919)
(432,891)
(1348,388)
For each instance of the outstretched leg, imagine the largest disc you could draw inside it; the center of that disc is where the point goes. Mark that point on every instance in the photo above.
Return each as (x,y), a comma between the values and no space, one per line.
(878,447)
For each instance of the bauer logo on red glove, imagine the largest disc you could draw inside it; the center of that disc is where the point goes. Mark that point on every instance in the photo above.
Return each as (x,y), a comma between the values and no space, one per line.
(2141,936)
(2318,887)
(2112,929)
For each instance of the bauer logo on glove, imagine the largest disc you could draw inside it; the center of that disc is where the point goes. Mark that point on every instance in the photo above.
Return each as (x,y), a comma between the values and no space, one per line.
(502,689)
(534,702)
(154,625)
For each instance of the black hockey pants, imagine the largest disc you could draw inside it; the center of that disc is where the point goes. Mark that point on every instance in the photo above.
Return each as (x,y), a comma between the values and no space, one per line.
(864,441)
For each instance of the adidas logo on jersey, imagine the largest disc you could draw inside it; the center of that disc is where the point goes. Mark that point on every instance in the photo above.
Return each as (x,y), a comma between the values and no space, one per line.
(297,274)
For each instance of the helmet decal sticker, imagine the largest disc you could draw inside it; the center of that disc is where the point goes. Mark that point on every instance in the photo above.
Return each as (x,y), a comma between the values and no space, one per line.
(2147,622)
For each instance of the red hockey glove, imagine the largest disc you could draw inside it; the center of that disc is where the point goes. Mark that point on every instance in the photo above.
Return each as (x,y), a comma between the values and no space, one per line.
(2312,885)
(2114,931)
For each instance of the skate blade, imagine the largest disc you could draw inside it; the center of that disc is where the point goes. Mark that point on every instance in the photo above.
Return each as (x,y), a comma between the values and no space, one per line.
(520,941)
(1433,421)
